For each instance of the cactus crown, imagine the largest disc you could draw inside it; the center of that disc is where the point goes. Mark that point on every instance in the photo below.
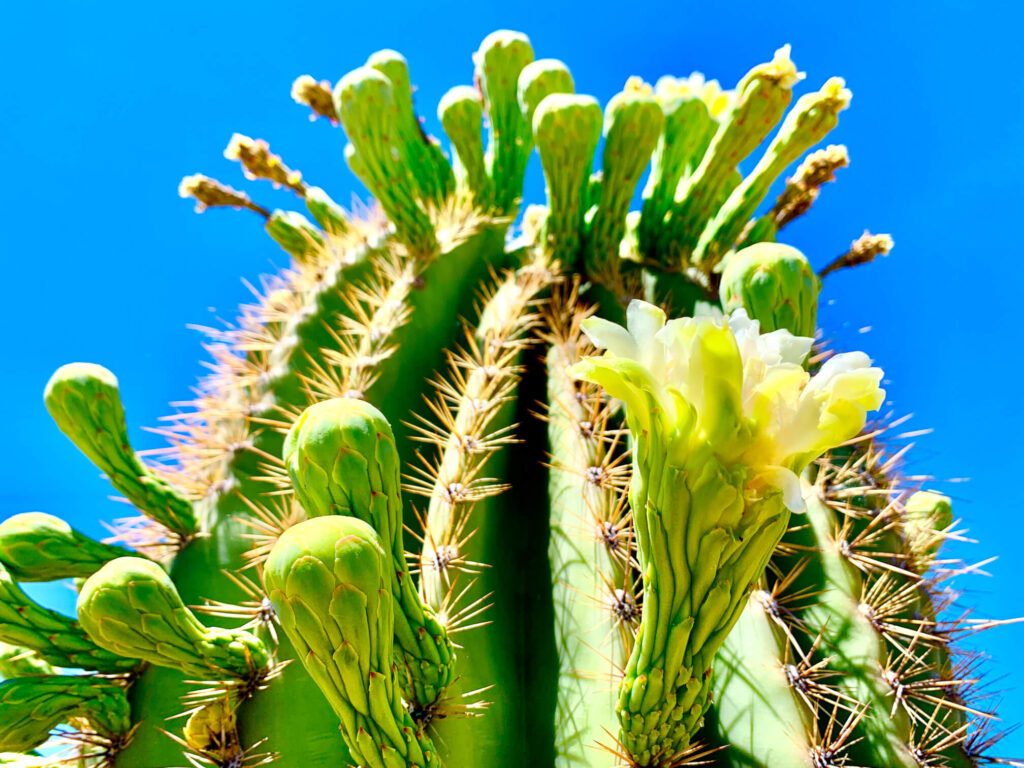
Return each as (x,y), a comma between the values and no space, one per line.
(369,550)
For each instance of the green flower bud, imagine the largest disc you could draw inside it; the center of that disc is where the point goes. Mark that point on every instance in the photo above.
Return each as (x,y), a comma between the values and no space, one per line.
(328,579)
(632,124)
(566,128)
(342,459)
(761,98)
(295,234)
(499,62)
(85,402)
(538,80)
(461,114)
(367,107)
(927,517)
(427,162)
(38,547)
(31,707)
(814,115)
(775,284)
(132,608)
(58,640)
(328,214)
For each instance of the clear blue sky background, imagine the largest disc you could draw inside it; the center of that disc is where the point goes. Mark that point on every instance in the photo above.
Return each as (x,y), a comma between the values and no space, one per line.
(104,106)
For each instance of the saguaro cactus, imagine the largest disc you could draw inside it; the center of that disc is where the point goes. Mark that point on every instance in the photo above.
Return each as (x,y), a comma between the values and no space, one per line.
(578,491)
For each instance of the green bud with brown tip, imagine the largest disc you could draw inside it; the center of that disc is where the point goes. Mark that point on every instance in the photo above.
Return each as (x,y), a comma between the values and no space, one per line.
(329,581)
(132,608)
(342,459)
(295,234)
(775,284)
(39,547)
(566,128)
(85,402)
(31,707)
(57,639)
(761,98)
(813,116)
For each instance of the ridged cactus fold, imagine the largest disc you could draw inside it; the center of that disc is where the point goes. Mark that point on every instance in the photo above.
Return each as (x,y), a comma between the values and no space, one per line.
(577,492)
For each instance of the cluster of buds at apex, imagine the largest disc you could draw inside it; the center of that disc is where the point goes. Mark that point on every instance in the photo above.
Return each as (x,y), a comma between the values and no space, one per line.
(258,162)
(317,95)
(210,193)
(863,250)
(802,189)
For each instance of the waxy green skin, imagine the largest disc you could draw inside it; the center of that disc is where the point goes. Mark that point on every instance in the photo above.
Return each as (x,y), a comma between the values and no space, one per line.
(30,707)
(775,284)
(342,460)
(131,607)
(344,591)
(39,547)
(329,580)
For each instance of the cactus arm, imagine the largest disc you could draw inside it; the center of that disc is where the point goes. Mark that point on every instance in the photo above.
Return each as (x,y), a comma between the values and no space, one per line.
(328,579)
(31,707)
(810,120)
(85,402)
(464,561)
(57,639)
(761,97)
(38,547)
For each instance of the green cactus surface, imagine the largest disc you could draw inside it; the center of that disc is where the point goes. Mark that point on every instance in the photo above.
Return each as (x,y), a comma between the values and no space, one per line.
(482,484)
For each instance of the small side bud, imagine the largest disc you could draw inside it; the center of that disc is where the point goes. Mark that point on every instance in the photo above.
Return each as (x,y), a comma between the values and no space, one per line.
(295,234)
(775,284)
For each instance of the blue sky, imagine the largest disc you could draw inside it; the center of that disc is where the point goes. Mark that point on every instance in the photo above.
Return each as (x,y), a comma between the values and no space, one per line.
(106,106)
